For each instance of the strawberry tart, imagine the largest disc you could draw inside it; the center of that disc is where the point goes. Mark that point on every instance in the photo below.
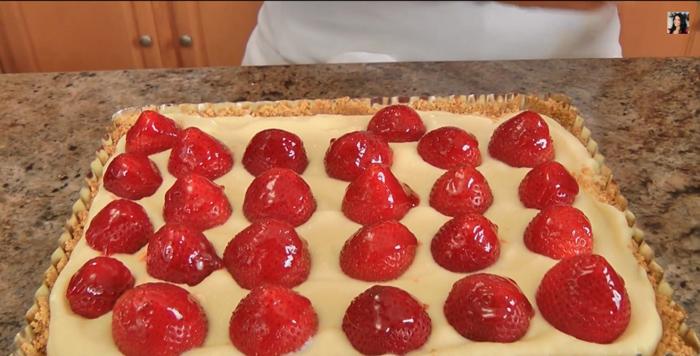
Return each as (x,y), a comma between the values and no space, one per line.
(421,226)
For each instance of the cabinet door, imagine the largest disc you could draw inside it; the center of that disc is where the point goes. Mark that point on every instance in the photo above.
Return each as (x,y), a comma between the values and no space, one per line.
(65,36)
(218,30)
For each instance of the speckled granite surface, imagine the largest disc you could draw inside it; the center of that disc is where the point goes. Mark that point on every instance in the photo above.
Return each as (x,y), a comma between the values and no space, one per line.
(644,113)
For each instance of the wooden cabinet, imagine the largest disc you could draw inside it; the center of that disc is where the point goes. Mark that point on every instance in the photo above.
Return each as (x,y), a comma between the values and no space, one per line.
(53,36)
(223,29)
(66,36)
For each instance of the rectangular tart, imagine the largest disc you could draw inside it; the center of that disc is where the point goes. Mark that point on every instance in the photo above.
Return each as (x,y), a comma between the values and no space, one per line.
(656,325)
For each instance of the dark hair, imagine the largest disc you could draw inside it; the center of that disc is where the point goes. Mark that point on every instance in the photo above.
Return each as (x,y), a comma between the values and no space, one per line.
(684,22)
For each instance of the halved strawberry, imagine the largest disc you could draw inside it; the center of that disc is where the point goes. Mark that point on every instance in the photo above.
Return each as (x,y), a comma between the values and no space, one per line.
(279,193)
(158,319)
(197,152)
(196,202)
(95,287)
(272,320)
(379,252)
(522,141)
(151,133)
(449,147)
(466,243)
(352,153)
(132,176)
(461,190)
(584,297)
(122,226)
(487,307)
(397,123)
(268,252)
(275,148)
(547,184)
(376,195)
(559,231)
(386,320)
(179,254)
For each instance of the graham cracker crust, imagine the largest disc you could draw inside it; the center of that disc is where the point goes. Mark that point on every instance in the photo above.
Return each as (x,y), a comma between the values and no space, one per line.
(677,338)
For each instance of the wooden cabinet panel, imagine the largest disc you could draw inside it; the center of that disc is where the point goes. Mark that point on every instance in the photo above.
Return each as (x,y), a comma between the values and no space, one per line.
(226,28)
(17,53)
(643,32)
(219,30)
(64,36)
(162,52)
(187,21)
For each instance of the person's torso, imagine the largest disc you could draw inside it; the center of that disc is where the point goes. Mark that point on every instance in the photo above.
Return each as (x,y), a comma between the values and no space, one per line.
(313,32)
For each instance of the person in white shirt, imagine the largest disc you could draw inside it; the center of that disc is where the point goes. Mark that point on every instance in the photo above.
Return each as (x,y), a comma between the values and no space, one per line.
(299,32)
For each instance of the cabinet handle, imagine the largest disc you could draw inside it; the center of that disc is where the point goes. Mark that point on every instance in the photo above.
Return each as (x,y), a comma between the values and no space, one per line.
(185,41)
(145,41)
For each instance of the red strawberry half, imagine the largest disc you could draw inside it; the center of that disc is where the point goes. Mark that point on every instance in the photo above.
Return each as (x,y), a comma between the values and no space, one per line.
(197,152)
(558,232)
(268,251)
(352,153)
(272,320)
(281,194)
(522,141)
(158,319)
(122,226)
(179,254)
(196,202)
(466,243)
(548,184)
(486,307)
(377,195)
(386,320)
(397,123)
(275,148)
(449,147)
(152,133)
(132,176)
(379,252)
(584,297)
(95,287)
(461,190)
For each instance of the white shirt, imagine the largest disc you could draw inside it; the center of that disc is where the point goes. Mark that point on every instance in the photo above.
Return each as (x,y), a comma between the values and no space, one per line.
(334,32)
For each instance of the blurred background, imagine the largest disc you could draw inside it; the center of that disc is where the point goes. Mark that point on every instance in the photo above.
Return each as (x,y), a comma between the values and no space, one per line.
(78,36)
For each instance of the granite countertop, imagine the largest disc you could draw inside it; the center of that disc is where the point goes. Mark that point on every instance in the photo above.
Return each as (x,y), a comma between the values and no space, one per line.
(644,113)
